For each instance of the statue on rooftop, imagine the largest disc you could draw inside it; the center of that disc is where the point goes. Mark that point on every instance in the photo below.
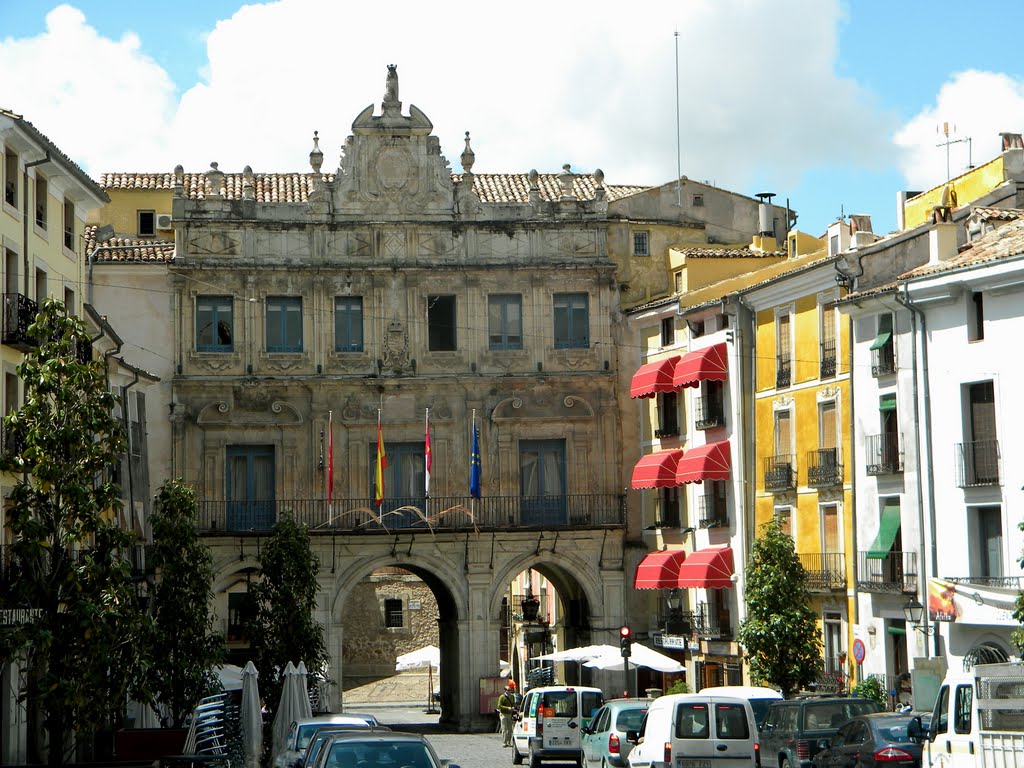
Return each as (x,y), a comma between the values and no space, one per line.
(391,85)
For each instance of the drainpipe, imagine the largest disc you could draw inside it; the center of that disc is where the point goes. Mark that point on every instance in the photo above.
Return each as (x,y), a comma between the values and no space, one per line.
(128,435)
(747,357)
(26,216)
(916,313)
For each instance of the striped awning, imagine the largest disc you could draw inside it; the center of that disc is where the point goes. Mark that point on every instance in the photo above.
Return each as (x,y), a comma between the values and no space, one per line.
(708,364)
(652,378)
(656,470)
(705,462)
(659,570)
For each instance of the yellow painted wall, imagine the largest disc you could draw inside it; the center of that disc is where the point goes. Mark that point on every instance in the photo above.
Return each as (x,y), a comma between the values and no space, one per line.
(122,210)
(703,272)
(968,187)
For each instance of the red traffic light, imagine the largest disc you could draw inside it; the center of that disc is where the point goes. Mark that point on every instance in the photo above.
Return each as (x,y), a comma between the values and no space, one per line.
(625,633)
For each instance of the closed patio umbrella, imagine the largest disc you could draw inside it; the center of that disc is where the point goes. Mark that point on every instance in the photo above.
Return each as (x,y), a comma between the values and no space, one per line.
(252,718)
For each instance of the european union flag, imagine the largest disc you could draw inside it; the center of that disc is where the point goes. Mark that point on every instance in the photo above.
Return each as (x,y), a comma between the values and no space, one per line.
(474,464)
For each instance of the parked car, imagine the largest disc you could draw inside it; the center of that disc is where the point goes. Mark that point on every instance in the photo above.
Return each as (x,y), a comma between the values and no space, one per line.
(794,730)
(319,738)
(549,723)
(369,718)
(872,741)
(379,748)
(301,731)
(604,740)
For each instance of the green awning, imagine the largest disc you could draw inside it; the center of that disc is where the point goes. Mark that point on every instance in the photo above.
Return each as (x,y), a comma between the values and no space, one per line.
(896,631)
(887,530)
(887,403)
(881,339)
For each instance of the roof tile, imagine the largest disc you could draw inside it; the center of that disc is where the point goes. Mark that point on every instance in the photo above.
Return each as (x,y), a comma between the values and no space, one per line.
(125,250)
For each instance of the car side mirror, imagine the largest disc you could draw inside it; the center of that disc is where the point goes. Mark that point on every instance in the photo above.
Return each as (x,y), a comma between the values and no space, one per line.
(916,732)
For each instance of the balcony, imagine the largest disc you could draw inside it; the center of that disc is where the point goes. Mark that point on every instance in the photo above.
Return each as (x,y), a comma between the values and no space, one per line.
(826,571)
(977,463)
(698,621)
(19,313)
(896,573)
(708,412)
(779,473)
(883,360)
(451,513)
(712,510)
(827,358)
(783,371)
(1006,582)
(883,454)
(824,468)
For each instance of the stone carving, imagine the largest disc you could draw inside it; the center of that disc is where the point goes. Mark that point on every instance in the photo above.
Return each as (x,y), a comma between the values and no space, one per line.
(540,407)
(395,352)
(214,244)
(251,394)
(391,86)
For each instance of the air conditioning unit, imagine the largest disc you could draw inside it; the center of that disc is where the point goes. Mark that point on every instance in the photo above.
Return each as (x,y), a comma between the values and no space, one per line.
(163,221)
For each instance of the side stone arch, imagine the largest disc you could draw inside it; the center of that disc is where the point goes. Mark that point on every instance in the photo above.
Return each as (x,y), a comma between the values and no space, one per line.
(576,568)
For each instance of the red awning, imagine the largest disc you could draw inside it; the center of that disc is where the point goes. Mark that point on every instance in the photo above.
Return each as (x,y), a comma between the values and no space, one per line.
(709,568)
(659,570)
(652,378)
(708,364)
(656,470)
(705,462)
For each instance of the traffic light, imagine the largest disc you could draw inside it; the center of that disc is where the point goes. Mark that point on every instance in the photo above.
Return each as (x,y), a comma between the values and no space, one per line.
(625,641)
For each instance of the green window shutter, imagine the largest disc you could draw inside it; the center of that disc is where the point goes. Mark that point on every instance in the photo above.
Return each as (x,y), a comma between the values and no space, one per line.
(887,529)
(887,403)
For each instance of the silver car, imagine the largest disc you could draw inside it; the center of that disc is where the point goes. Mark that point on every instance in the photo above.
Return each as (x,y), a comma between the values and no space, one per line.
(603,740)
(301,731)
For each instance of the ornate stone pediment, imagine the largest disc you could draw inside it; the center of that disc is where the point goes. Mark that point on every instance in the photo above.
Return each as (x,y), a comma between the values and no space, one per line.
(556,407)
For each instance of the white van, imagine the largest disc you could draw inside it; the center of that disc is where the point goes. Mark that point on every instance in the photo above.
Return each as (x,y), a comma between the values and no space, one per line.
(550,719)
(696,730)
(758,696)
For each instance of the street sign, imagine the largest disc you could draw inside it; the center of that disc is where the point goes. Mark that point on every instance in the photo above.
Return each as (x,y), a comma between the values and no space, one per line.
(673,641)
(859,651)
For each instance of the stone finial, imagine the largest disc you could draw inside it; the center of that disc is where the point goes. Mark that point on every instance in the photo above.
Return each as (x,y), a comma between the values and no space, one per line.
(248,187)
(467,158)
(566,179)
(214,182)
(179,181)
(316,157)
(599,191)
(534,178)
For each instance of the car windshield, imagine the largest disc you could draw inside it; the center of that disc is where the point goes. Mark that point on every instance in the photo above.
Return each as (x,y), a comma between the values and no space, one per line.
(630,719)
(350,753)
(306,731)
(559,704)
(829,715)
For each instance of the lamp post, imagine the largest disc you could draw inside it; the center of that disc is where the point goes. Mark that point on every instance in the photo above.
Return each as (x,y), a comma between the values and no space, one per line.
(913,612)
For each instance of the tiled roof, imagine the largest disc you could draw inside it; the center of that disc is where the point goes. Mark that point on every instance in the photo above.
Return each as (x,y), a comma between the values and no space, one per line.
(728,253)
(294,187)
(986,213)
(125,250)
(1001,243)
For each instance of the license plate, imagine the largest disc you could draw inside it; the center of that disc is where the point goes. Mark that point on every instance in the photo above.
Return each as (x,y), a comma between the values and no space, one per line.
(681,763)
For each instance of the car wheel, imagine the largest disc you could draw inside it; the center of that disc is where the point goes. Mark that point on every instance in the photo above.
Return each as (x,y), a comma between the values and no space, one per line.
(534,759)
(517,759)
(786,763)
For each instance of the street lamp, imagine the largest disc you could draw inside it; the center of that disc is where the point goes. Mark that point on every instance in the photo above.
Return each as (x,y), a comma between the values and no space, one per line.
(913,612)
(530,606)
(675,624)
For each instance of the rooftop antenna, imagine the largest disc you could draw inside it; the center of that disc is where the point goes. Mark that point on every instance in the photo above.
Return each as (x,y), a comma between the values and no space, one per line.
(679,161)
(945,129)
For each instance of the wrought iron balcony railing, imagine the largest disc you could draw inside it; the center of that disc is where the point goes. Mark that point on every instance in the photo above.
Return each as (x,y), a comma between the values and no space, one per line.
(883,454)
(824,468)
(712,510)
(708,412)
(977,463)
(449,513)
(698,621)
(1007,582)
(895,573)
(19,313)
(883,360)
(826,571)
(783,371)
(779,473)
(827,358)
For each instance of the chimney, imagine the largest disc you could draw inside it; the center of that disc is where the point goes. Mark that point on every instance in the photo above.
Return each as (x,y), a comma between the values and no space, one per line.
(1011,140)
(860,230)
(765,239)
(942,242)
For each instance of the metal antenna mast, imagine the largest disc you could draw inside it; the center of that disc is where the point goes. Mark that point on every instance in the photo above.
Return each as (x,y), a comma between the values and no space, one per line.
(679,160)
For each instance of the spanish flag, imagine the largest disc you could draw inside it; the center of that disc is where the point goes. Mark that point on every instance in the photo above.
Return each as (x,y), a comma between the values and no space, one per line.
(382,462)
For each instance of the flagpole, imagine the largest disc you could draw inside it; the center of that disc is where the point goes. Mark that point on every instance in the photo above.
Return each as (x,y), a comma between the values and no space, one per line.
(330,465)
(472,465)
(427,455)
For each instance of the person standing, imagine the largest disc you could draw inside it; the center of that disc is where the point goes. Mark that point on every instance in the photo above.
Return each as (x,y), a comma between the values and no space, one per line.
(506,707)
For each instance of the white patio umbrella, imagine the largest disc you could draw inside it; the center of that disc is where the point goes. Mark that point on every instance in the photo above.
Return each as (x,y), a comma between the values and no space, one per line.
(304,706)
(640,656)
(251,717)
(583,653)
(229,676)
(428,657)
(287,709)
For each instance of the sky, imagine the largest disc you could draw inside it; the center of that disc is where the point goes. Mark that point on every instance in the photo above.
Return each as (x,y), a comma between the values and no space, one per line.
(833,105)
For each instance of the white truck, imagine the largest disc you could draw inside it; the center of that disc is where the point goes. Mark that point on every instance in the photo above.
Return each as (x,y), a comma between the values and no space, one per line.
(978,720)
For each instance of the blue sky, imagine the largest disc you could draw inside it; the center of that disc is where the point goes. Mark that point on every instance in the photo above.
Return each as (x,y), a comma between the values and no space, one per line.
(831,104)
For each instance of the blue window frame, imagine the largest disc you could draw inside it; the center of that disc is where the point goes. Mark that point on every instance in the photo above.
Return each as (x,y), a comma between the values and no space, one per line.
(572,320)
(505,321)
(250,487)
(542,482)
(214,324)
(284,324)
(403,484)
(348,324)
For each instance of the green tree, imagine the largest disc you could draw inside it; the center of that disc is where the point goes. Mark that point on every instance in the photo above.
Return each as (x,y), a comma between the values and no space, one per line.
(83,650)
(182,622)
(780,633)
(1018,633)
(279,619)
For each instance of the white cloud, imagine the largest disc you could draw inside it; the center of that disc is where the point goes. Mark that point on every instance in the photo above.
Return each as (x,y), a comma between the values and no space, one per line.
(537,84)
(974,104)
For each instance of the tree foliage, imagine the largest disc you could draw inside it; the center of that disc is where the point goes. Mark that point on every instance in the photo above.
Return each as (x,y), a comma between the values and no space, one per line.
(279,622)
(780,633)
(183,626)
(70,556)
(1018,613)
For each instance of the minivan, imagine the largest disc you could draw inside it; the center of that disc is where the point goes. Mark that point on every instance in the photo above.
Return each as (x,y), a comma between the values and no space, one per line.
(696,730)
(549,723)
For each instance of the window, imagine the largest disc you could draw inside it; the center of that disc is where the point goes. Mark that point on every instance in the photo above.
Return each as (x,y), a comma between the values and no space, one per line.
(783,354)
(692,721)
(832,624)
(732,721)
(284,324)
(783,433)
(42,196)
(441,323)
(698,201)
(572,321)
(70,302)
(237,607)
(677,281)
(668,331)
(827,358)
(394,616)
(542,482)
(505,321)
(11,400)
(981,454)
(668,414)
(940,724)
(69,224)
(10,178)
(976,318)
(830,529)
(249,478)
(784,519)
(987,534)
(962,709)
(40,286)
(670,508)
(348,324)
(883,359)
(641,243)
(214,324)
(404,484)
(147,223)
(11,262)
